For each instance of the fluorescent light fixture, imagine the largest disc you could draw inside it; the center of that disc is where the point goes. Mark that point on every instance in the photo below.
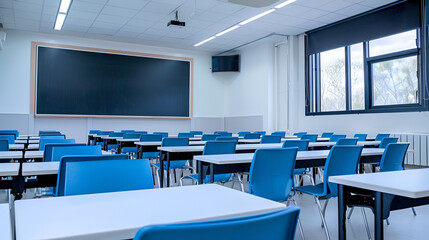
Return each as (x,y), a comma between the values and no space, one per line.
(227,30)
(284,4)
(257,16)
(60,21)
(202,42)
(64,6)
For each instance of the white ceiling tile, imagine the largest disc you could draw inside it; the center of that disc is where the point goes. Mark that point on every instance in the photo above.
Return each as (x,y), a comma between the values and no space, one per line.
(308,25)
(335,5)
(112,19)
(313,3)
(156,7)
(49,10)
(96,1)
(201,5)
(79,5)
(27,6)
(314,13)
(7,19)
(6,4)
(129,4)
(75,28)
(27,22)
(81,15)
(376,3)
(6,12)
(52,3)
(104,31)
(26,27)
(127,34)
(104,25)
(149,16)
(35,16)
(138,23)
(226,8)
(331,18)
(9,25)
(293,10)
(353,10)
(77,21)
(118,11)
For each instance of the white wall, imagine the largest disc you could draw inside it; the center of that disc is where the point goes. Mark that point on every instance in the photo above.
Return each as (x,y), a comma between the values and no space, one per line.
(411,122)
(15,60)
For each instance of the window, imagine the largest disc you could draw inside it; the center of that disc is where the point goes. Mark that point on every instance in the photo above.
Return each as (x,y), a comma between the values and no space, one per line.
(332,80)
(395,43)
(357,77)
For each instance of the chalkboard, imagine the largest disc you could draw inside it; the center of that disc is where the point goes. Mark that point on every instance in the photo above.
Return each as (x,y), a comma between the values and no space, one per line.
(77,82)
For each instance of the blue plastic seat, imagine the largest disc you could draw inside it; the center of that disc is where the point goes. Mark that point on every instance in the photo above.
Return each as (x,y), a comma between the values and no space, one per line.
(380,136)
(279,133)
(235,139)
(224,134)
(61,151)
(43,142)
(49,133)
(278,225)
(209,137)
(310,137)
(262,133)
(360,137)
(336,137)
(4,144)
(140,132)
(197,132)
(101,176)
(241,134)
(151,138)
(115,134)
(52,137)
(271,139)
(9,137)
(47,153)
(127,131)
(163,134)
(302,145)
(347,141)
(185,135)
(10,132)
(342,160)
(327,134)
(252,136)
(386,140)
(299,134)
(131,136)
(93,131)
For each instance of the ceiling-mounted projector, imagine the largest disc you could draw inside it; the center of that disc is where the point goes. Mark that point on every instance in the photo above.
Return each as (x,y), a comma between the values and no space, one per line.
(176,22)
(252,3)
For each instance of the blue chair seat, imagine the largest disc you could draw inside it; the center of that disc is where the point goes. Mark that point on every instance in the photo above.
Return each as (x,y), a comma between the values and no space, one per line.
(298,171)
(173,164)
(150,155)
(129,149)
(316,190)
(217,178)
(112,146)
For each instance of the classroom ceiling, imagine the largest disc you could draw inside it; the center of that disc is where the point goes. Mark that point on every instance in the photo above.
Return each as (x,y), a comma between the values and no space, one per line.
(145,21)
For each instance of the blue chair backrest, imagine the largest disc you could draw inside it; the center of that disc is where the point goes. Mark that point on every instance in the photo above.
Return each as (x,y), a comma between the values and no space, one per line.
(327,134)
(93,131)
(386,141)
(127,131)
(310,137)
(197,132)
(119,134)
(52,137)
(10,132)
(361,137)
(278,225)
(132,136)
(141,132)
(62,170)
(271,139)
(241,134)
(219,147)
(43,142)
(302,145)
(151,138)
(262,133)
(336,137)
(4,145)
(209,137)
(59,152)
(87,177)
(224,134)
(279,133)
(185,135)
(252,136)
(47,154)
(235,139)
(393,157)
(380,136)
(163,134)
(9,137)
(299,134)
(342,160)
(219,132)
(271,173)
(104,133)
(175,142)
(347,141)
(49,133)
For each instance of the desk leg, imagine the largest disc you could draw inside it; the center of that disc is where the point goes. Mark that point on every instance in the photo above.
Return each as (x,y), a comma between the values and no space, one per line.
(168,170)
(211,173)
(105,144)
(378,216)
(161,167)
(341,213)
(120,147)
(139,152)
(89,140)
(200,172)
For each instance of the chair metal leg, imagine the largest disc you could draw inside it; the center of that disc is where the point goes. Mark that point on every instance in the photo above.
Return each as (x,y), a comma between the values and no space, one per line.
(414,211)
(159,178)
(323,218)
(241,182)
(366,223)
(387,221)
(350,213)
(324,208)
(299,220)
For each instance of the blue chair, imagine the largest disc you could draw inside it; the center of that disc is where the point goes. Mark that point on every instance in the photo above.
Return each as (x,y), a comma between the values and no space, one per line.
(209,137)
(111,175)
(43,142)
(151,138)
(336,137)
(140,132)
(299,134)
(279,133)
(360,137)
(274,183)
(114,134)
(241,134)
(56,133)
(310,137)
(131,150)
(278,225)
(216,147)
(9,137)
(47,153)
(197,132)
(93,131)
(224,134)
(4,145)
(219,132)
(10,132)
(235,139)
(302,145)
(347,141)
(52,137)
(327,134)
(342,160)
(271,139)
(176,164)
(262,133)
(252,136)
(61,151)
(127,131)
(102,133)
(385,141)
(185,135)
(163,134)
(380,136)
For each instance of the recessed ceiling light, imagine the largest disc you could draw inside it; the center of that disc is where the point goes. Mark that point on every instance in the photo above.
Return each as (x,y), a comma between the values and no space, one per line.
(64,6)
(208,39)
(284,4)
(60,21)
(227,30)
(257,16)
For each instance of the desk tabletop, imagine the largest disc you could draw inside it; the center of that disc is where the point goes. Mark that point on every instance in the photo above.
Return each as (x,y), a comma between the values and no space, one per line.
(120,215)
(10,155)
(127,139)
(9,170)
(158,143)
(5,223)
(40,168)
(21,146)
(108,137)
(407,183)
(22,141)
(33,154)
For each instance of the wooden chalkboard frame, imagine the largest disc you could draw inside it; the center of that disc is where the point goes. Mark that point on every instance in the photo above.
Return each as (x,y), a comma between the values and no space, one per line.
(33,79)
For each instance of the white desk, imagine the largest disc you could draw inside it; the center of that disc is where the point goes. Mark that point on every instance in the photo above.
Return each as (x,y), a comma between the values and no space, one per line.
(120,215)
(9,170)
(10,155)
(158,143)
(21,147)
(20,141)
(40,168)
(33,154)
(5,223)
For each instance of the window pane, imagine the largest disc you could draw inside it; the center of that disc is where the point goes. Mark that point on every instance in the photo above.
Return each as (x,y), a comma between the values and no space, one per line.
(332,80)
(357,77)
(394,43)
(395,81)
